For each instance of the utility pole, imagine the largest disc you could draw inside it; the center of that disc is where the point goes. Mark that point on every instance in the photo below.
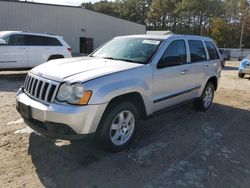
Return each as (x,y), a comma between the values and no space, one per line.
(241,33)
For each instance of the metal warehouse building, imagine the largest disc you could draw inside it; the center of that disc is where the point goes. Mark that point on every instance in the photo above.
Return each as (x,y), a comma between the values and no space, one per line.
(84,30)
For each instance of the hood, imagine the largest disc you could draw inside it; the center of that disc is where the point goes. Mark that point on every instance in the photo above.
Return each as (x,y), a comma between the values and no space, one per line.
(80,69)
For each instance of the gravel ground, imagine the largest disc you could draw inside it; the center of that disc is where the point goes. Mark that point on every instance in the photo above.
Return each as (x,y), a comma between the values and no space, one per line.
(181,148)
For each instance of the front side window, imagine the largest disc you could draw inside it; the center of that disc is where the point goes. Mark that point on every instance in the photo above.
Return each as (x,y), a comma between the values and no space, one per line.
(197,51)
(15,40)
(212,52)
(174,55)
(131,49)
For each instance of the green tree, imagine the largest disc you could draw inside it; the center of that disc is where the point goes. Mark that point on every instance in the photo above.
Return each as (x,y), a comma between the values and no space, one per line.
(135,10)
(104,6)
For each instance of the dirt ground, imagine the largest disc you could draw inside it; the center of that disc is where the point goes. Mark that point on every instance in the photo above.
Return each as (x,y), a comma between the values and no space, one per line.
(181,148)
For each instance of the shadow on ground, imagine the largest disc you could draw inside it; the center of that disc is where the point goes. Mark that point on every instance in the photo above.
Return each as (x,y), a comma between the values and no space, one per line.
(179,148)
(229,68)
(11,81)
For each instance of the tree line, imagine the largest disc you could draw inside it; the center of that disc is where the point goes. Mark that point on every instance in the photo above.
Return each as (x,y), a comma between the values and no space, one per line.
(226,21)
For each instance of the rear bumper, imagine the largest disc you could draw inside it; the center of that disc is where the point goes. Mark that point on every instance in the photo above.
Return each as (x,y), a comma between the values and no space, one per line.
(58,120)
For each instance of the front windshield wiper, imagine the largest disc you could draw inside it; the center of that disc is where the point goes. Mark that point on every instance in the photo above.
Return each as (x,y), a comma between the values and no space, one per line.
(121,59)
(112,58)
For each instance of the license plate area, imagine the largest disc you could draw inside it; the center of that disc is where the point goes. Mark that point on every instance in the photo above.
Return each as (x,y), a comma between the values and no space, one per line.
(24,110)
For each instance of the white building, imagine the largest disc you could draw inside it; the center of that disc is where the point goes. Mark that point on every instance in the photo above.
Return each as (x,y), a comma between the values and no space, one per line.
(84,30)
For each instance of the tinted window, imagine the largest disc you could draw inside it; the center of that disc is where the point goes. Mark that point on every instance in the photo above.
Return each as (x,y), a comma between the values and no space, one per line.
(197,51)
(15,40)
(213,54)
(49,41)
(32,40)
(175,54)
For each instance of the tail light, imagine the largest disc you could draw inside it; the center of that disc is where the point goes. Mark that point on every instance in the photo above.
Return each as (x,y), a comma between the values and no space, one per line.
(70,50)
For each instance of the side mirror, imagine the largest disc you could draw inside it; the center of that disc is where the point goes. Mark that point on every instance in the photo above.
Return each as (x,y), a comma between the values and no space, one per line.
(169,62)
(3,42)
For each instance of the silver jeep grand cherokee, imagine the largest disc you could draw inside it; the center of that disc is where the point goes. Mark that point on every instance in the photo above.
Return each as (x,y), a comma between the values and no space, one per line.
(128,78)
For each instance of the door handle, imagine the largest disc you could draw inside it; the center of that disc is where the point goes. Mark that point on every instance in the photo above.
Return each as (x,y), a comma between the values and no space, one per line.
(205,66)
(22,48)
(183,72)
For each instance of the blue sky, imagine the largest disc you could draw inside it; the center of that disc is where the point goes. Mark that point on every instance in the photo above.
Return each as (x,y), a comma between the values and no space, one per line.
(63,2)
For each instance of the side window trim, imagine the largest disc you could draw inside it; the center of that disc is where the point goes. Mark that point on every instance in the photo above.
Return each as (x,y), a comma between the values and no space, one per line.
(206,50)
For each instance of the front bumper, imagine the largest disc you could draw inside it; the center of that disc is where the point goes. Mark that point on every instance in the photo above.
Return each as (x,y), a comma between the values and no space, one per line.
(244,70)
(57,120)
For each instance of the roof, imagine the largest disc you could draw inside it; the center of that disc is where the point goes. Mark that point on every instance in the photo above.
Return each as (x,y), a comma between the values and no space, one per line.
(163,37)
(3,33)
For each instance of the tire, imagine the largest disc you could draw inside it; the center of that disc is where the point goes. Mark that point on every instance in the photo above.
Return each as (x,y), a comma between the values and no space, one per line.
(241,75)
(204,102)
(118,126)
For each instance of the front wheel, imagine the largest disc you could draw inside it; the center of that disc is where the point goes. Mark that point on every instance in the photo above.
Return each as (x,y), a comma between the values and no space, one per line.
(204,102)
(118,126)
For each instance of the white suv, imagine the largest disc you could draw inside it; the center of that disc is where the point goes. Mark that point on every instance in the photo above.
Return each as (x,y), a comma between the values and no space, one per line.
(24,50)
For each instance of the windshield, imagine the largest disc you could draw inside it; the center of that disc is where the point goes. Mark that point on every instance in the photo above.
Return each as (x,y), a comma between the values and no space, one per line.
(3,33)
(138,50)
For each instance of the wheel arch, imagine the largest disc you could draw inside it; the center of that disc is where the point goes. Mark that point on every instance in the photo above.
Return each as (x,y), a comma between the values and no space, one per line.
(133,97)
(214,81)
(55,56)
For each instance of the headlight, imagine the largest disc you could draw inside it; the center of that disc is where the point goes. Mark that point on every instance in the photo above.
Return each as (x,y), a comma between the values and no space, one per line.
(73,94)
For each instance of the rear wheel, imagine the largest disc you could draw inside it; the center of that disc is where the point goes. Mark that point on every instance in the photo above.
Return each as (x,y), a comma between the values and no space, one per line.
(204,102)
(241,75)
(118,126)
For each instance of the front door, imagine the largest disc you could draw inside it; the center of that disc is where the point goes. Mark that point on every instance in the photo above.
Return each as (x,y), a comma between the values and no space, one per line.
(14,53)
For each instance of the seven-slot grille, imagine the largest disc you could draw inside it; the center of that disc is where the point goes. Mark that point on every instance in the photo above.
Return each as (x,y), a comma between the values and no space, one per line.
(41,89)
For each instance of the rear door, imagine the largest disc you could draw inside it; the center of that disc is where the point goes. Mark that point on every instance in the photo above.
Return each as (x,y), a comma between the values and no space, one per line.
(41,48)
(198,66)
(14,53)
(36,50)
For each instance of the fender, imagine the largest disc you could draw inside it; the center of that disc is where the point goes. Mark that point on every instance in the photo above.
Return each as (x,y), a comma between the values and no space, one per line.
(135,80)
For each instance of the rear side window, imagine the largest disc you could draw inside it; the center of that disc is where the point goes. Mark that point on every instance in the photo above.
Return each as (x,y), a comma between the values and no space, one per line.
(32,40)
(15,40)
(49,41)
(197,51)
(212,52)
(175,54)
